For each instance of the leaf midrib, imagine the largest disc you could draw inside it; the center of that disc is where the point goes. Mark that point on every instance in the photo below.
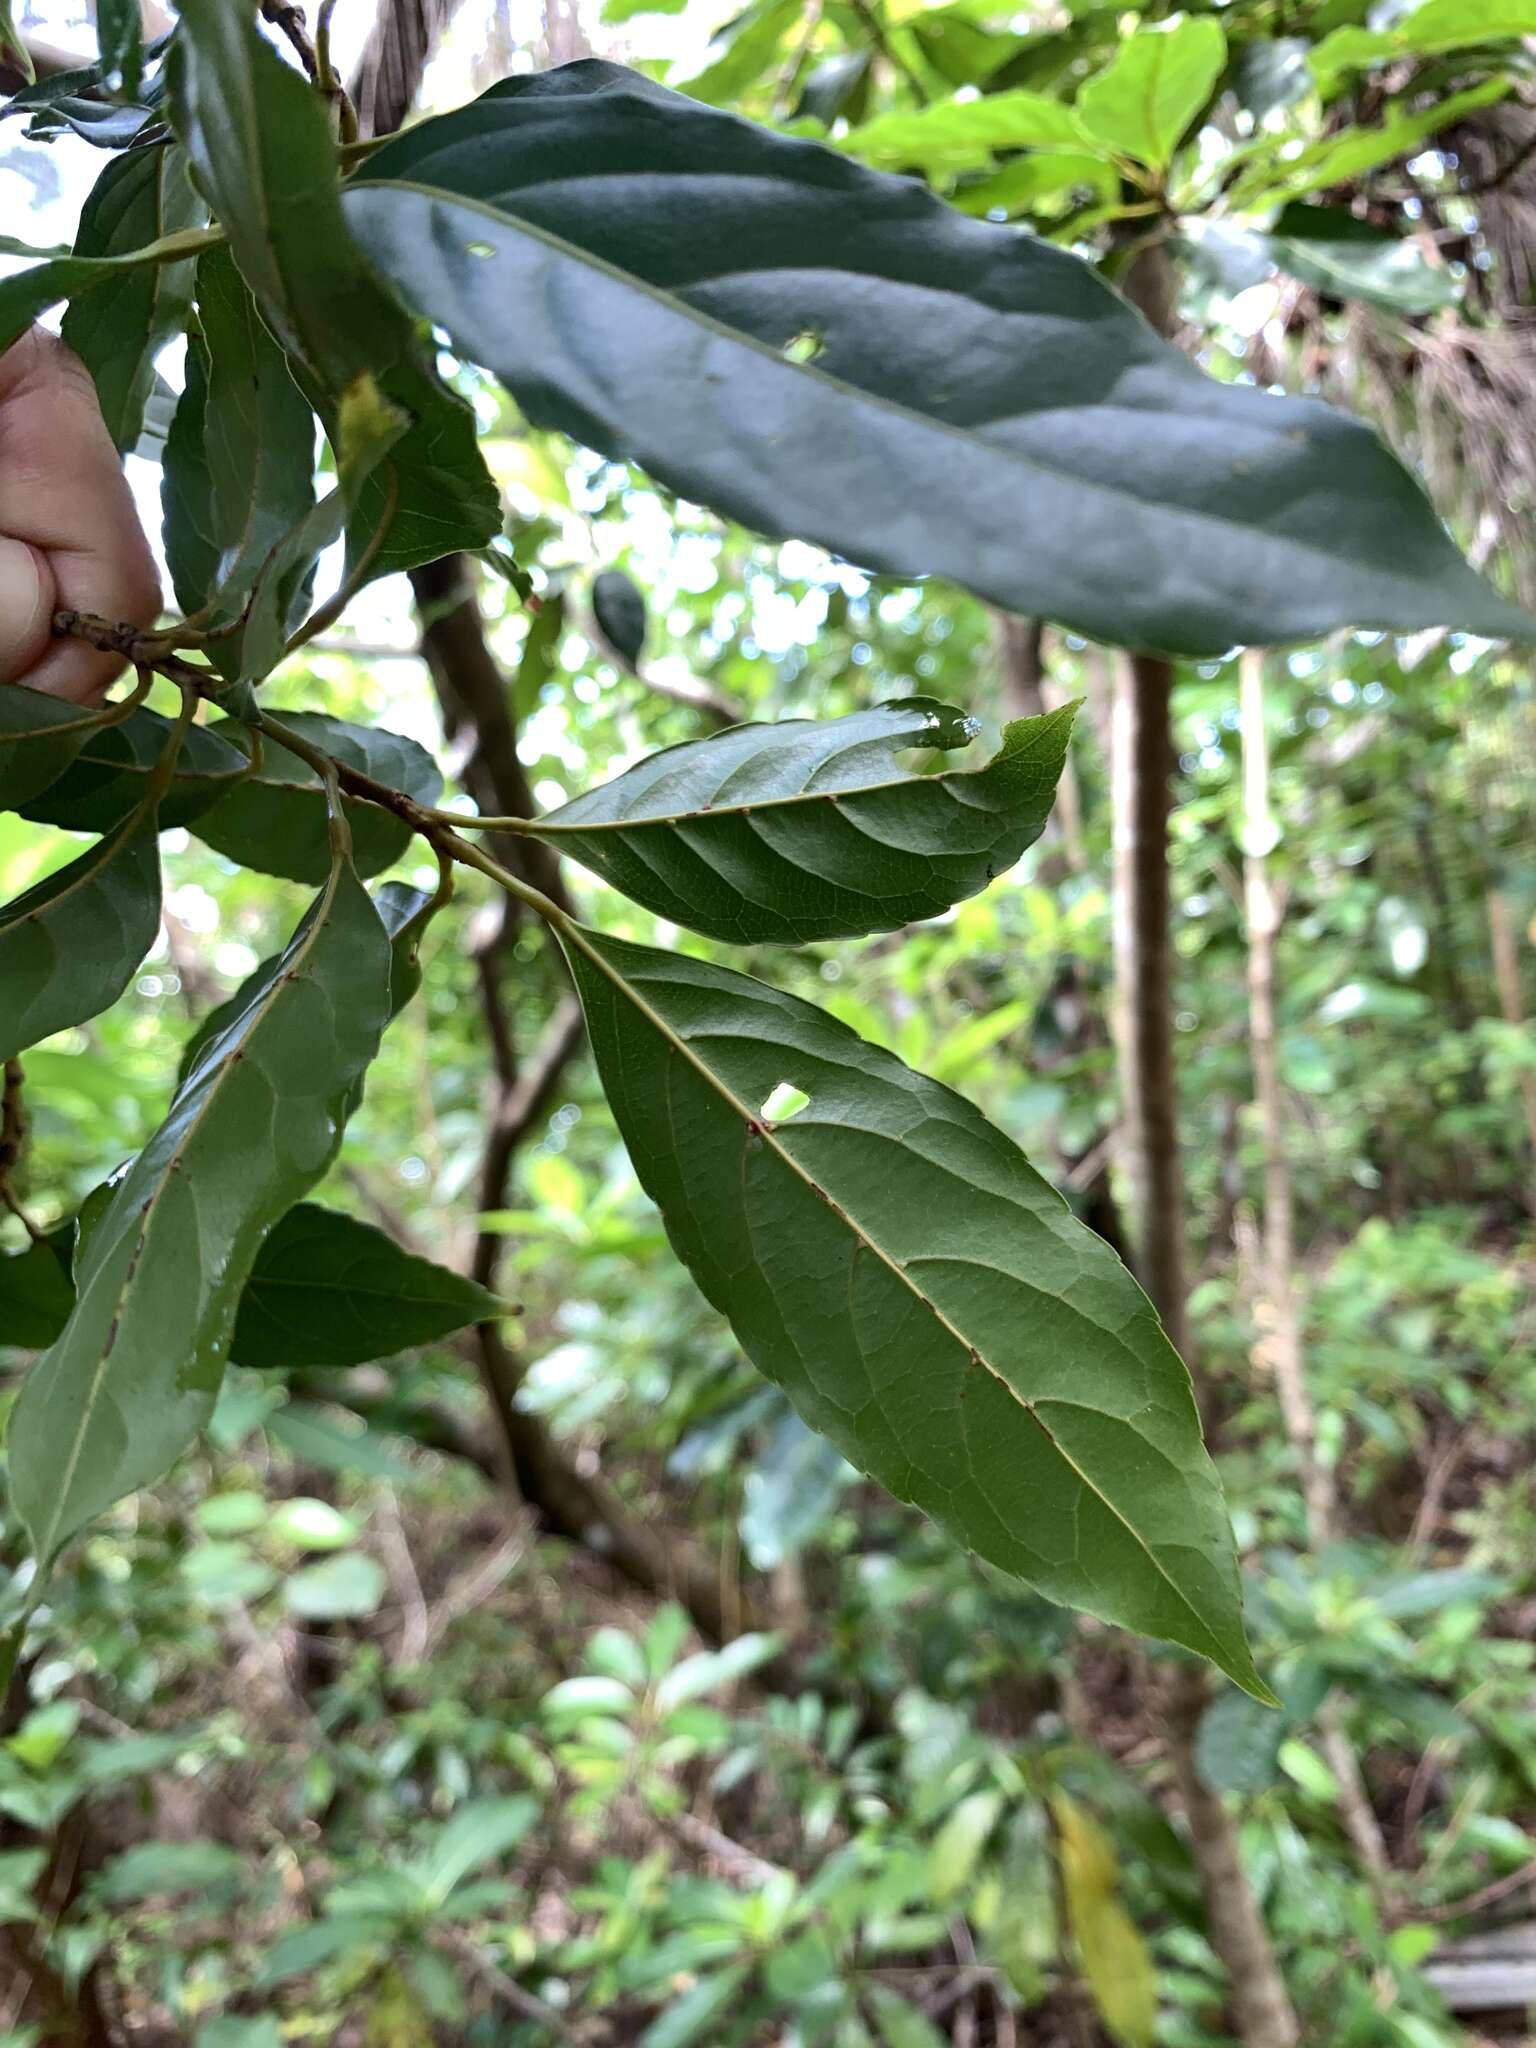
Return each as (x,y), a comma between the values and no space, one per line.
(147,1214)
(1115,495)
(575,933)
(704,812)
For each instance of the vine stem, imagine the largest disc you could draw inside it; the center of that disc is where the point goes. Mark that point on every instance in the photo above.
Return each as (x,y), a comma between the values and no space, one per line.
(445,842)
(435,826)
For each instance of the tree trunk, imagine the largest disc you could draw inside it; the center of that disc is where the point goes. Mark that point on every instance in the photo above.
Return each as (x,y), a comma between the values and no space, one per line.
(1141,768)
(1506,971)
(1276,1310)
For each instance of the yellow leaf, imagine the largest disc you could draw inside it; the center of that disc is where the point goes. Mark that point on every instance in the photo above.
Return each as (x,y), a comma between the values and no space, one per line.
(1115,1961)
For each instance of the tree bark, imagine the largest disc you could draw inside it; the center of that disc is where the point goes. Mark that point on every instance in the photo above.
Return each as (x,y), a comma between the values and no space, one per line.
(1142,762)
(1276,1309)
(1506,972)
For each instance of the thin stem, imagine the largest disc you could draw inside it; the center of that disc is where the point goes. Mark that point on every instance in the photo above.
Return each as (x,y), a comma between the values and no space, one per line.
(457,820)
(472,857)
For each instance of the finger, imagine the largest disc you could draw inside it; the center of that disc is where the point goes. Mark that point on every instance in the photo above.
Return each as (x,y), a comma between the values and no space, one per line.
(26,607)
(62,490)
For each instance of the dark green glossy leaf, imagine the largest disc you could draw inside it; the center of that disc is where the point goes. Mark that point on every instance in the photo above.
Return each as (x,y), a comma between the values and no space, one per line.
(402,911)
(275,820)
(810,830)
(69,947)
(35,1294)
(816,349)
(39,737)
(328,1290)
(120,39)
(110,774)
(925,1299)
(262,147)
(536,663)
(134,1375)
(239,469)
(1346,258)
(28,293)
(117,329)
(104,123)
(619,609)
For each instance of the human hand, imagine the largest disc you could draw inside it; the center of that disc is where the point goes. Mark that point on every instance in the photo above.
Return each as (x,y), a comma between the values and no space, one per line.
(69,534)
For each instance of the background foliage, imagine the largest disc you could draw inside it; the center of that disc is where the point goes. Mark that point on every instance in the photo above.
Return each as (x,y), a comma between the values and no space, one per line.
(337,1733)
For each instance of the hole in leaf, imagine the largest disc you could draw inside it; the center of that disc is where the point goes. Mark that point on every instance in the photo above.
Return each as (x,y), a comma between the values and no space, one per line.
(782,1102)
(804,348)
(481,249)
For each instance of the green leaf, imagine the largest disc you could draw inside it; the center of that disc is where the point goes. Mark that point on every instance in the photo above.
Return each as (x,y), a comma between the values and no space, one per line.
(899,2023)
(748,46)
(239,469)
(26,294)
(343,1588)
(230,2032)
(1023,183)
(111,771)
(35,1295)
(1160,79)
(171,1870)
(70,946)
(275,820)
(1344,257)
(262,147)
(956,1849)
(1349,153)
(964,135)
(120,40)
(690,2017)
(1429,31)
(711,1670)
(809,830)
(13,43)
(312,1435)
(484,1829)
(117,330)
(328,1290)
(790,1490)
(401,909)
(925,1299)
(964,413)
(536,663)
(619,609)
(1025,1936)
(306,1948)
(309,1524)
(135,1373)
(39,737)
(1238,1747)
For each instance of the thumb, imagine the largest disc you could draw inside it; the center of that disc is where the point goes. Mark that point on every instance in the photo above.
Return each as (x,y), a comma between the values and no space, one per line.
(26,609)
